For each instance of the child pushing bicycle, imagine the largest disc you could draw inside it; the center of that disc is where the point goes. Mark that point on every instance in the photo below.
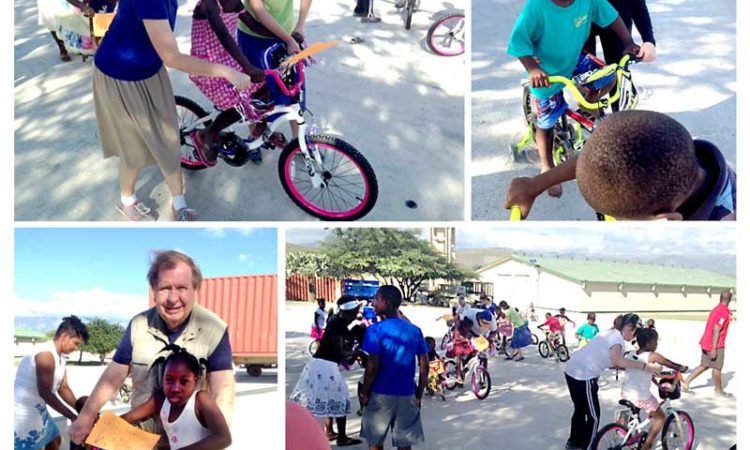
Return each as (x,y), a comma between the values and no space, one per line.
(637,383)
(548,37)
(642,165)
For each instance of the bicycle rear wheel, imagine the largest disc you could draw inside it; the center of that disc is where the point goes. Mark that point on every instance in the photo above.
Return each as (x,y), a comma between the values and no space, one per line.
(187,113)
(481,382)
(342,186)
(678,434)
(611,437)
(446,36)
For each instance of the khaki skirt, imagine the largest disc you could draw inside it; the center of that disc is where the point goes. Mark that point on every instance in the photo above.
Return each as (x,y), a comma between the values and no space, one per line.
(137,121)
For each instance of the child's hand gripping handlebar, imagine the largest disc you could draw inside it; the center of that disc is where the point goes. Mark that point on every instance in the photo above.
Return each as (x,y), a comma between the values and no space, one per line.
(297,61)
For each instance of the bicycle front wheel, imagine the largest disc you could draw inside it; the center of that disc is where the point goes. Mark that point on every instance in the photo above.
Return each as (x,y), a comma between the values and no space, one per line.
(446,340)
(480,382)
(446,36)
(611,437)
(187,113)
(678,432)
(342,186)
(544,349)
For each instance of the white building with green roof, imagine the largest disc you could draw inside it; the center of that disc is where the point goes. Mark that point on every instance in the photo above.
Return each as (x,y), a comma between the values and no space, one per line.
(583,285)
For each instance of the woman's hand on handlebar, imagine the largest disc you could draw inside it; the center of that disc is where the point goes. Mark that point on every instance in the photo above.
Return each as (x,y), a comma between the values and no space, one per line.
(238,79)
(647,52)
(538,78)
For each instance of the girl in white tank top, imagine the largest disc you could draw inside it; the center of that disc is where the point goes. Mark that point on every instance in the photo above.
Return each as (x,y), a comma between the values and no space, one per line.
(187,414)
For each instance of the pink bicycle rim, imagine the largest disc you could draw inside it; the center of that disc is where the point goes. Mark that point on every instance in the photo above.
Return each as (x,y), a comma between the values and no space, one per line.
(313,207)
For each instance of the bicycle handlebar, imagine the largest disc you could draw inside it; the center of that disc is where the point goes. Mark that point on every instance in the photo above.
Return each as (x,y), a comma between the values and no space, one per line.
(616,68)
(515,213)
(275,74)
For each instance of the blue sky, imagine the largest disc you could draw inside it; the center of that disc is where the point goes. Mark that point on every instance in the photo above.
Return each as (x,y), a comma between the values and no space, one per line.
(102,271)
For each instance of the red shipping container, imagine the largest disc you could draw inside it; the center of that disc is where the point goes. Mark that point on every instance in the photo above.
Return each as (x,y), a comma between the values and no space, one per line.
(248,304)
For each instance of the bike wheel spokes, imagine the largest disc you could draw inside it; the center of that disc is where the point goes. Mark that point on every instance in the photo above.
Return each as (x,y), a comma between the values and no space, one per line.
(480,382)
(611,437)
(446,37)
(678,433)
(337,185)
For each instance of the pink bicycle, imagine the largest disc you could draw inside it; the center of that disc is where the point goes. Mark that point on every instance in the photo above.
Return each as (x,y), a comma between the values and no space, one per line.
(322,174)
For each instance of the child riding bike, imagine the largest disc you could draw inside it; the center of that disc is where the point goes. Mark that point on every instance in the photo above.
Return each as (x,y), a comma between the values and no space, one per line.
(636,387)
(436,368)
(212,39)
(554,329)
(548,38)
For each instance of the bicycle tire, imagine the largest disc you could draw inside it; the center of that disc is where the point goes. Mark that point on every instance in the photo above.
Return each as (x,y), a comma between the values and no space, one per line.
(610,437)
(435,41)
(544,349)
(451,375)
(667,432)
(313,347)
(481,383)
(562,353)
(292,157)
(189,158)
(507,350)
(408,11)
(446,340)
(534,339)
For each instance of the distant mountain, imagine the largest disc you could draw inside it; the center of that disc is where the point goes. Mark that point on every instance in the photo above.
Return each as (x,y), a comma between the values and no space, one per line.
(474,258)
(47,323)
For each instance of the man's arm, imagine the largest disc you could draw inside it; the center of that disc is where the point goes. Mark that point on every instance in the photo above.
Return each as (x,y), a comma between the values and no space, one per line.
(524,190)
(221,385)
(266,19)
(715,341)
(110,381)
(424,367)
(45,377)
(628,46)
(304,9)
(371,372)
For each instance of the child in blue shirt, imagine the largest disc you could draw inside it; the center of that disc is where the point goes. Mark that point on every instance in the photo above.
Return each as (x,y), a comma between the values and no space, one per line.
(548,38)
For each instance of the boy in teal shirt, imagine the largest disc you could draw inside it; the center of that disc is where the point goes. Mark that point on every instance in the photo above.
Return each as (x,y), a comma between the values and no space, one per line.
(548,38)
(587,331)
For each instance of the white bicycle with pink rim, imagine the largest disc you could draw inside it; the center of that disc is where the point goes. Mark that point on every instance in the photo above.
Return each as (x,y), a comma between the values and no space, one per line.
(322,174)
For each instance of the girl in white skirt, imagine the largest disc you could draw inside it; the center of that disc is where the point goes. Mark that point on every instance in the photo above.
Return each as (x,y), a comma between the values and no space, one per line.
(321,388)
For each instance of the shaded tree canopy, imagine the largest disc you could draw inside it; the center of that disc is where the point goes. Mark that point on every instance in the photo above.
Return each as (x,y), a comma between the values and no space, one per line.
(103,337)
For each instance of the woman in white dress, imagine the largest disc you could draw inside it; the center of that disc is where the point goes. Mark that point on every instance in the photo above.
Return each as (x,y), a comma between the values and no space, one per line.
(39,377)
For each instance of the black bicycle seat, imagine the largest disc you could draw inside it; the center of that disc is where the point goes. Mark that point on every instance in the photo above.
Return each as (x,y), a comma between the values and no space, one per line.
(628,404)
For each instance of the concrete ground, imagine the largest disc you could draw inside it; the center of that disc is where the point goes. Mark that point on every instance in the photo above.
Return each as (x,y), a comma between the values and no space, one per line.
(257,397)
(399,104)
(693,79)
(529,405)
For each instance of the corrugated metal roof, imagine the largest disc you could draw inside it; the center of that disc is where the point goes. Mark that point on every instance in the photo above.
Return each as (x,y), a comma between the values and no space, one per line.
(28,334)
(602,271)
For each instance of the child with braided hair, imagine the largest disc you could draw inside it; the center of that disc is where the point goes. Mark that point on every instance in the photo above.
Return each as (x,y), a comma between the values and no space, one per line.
(190,416)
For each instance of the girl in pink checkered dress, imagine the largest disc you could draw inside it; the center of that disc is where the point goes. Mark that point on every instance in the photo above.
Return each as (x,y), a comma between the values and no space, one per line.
(212,39)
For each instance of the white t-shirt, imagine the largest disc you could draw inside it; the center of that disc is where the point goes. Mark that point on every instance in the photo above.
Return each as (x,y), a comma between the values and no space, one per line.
(471,313)
(637,383)
(460,309)
(320,318)
(591,360)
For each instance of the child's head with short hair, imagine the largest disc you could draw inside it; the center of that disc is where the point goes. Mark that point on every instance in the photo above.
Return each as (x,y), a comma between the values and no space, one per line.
(591,317)
(182,372)
(650,323)
(647,339)
(637,165)
(548,315)
(430,342)
(321,303)
(80,402)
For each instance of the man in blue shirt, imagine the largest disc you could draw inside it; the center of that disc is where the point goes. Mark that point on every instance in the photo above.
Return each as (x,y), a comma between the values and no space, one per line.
(389,396)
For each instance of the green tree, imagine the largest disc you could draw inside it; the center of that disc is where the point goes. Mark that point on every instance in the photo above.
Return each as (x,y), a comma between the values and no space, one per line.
(103,338)
(394,256)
